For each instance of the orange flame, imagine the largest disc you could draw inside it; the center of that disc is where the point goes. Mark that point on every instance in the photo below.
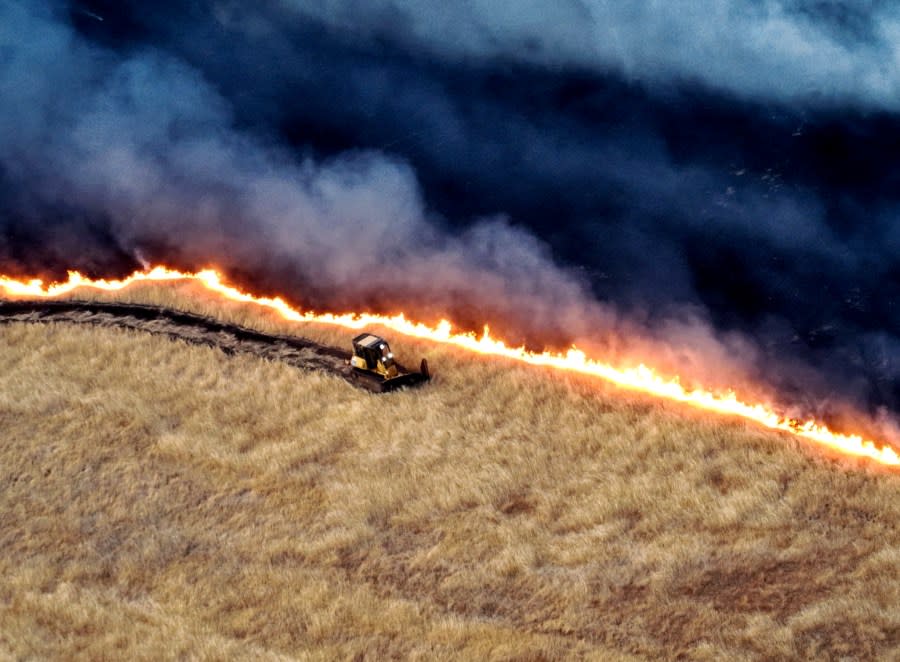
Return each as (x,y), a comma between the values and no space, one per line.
(641,378)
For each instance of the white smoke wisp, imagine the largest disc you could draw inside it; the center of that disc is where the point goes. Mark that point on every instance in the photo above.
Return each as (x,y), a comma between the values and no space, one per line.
(771,49)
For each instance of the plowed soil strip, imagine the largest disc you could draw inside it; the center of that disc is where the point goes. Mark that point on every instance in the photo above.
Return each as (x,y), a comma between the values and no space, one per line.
(188,327)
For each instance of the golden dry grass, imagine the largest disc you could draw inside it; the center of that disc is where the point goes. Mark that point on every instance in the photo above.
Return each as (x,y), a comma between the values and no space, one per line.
(159,500)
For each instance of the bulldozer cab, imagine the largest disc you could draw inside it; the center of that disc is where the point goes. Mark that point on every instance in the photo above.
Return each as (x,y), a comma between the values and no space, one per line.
(372,366)
(373,353)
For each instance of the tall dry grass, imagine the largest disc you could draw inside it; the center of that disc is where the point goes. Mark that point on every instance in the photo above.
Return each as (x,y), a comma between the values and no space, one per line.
(159,500)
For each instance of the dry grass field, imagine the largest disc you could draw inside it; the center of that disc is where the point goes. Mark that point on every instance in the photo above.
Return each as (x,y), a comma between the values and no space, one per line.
(159,500)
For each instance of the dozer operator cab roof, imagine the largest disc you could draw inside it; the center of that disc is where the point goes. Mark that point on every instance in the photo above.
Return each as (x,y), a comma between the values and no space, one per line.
(373,350)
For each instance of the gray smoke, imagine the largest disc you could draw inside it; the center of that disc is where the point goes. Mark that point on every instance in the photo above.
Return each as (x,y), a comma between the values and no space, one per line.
(775,49)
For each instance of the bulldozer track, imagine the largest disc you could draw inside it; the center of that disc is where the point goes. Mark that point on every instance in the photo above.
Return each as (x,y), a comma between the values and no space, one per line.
(190,328)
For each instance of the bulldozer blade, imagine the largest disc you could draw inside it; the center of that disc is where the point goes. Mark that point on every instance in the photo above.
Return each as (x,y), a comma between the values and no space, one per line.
(409,379)
(378,384)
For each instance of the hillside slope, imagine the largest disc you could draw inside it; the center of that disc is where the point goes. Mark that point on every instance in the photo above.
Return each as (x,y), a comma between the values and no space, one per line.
(160,499)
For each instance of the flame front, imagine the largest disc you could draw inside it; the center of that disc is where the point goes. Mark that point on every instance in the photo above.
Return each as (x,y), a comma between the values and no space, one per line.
(641,378)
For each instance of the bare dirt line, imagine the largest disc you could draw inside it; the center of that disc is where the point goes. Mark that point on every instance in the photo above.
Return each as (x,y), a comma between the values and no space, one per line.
(187,327)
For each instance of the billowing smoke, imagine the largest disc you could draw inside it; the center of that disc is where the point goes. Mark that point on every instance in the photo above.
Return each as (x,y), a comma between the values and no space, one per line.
(145,148)
(643,181)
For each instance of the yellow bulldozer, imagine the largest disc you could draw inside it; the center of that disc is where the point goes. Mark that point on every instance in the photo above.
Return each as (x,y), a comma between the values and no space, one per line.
(374,367)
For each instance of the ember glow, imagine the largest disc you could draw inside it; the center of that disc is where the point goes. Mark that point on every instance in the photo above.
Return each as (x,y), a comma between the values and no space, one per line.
(640,378)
